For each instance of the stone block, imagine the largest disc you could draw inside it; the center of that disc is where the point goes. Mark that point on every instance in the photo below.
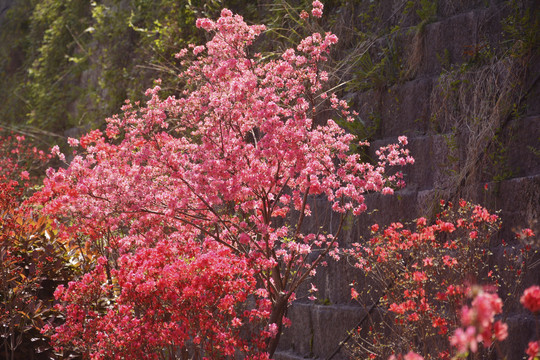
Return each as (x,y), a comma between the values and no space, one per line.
(332,325)
(446,160)
(516,200)
(385,209)
(317,330)
(520,332)
(519,153)
(520,195)
(333,282)
(449,8)
(298,337)
(445,41)
(533,86)
(368,105)
(288,355)
(5,5)
(405,108)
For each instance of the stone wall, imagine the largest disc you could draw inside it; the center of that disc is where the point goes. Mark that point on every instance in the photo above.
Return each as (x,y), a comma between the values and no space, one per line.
(449,163)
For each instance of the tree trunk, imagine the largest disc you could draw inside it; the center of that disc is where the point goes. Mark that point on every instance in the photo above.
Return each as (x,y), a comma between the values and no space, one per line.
(276,317)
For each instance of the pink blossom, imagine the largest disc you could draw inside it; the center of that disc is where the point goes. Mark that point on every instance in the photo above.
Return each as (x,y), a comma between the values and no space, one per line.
(198,49)
(411,355)
(317,12)
(500,330)
(56,151)
(533,350)
(73,142)
(479,320)
(244,238)
(273,329)
(419,276)
(531,298)
(181,54)
(206,24)
(464,340)
(403,140)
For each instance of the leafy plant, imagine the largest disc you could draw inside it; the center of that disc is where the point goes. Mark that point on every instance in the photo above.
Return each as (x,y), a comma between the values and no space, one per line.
(34,256)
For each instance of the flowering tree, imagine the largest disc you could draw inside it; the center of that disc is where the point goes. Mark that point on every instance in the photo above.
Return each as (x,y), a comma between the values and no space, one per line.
(197,203)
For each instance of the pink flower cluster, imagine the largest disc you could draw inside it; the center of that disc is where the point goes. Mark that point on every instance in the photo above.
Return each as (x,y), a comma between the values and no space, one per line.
(317,10)
(531,299)
(533,350)
(425,269)
(161,296)
(479,324)
(411,355)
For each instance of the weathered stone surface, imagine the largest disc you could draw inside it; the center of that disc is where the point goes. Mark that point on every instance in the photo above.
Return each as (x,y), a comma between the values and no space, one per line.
(288,355)
(533,86)
(450,41)
(522,150)
(462,27)
(298,338)
(520,332)
(519,200)
(448,8)
(405,108)
(319,330)
(445,161)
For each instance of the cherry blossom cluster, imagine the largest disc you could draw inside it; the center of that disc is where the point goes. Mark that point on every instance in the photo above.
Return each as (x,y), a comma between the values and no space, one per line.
(317,10)
(479,325)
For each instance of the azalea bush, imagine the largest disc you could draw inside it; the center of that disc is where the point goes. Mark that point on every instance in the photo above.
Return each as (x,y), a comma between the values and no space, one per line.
(421,277)
(34,256)
(480,328)
(34,259)
(21,163)
(196,203)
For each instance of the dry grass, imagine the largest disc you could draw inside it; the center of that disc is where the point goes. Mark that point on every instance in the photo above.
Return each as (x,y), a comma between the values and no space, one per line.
(472,105)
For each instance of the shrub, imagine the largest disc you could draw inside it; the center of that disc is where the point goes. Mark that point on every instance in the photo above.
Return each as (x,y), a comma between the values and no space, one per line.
(34,256)
(422,278)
